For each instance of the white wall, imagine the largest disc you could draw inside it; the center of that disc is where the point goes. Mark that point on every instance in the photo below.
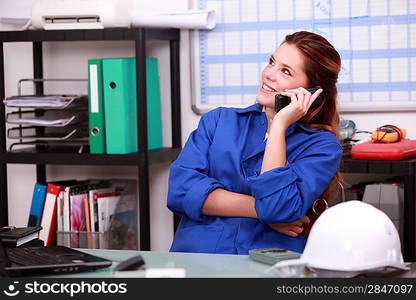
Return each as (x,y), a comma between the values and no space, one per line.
(68,60)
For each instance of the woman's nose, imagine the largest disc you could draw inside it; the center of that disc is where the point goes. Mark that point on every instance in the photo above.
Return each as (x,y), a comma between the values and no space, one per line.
(270,74)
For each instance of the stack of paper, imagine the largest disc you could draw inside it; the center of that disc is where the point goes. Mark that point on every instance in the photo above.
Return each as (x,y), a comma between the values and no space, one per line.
(50,120)
(51,102)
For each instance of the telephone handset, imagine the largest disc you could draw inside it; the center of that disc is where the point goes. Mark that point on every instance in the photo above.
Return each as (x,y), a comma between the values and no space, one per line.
(281,101)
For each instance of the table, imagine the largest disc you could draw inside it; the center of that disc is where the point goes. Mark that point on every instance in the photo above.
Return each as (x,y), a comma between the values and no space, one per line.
(405,168)
(197,265)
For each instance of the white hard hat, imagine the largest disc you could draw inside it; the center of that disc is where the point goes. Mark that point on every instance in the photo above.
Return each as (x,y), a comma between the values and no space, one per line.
(352,236)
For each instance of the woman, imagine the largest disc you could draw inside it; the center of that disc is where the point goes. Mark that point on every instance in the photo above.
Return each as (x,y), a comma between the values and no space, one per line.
(246,177)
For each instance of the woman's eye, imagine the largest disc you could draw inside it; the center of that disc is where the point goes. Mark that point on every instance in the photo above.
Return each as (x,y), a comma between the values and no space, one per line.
(286,71)
(271,62)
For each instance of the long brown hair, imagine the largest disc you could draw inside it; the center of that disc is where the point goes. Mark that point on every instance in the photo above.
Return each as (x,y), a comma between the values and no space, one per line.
(322,65)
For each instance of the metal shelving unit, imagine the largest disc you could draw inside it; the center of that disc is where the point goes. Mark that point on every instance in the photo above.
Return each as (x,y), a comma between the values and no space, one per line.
(143,158)
(405,168)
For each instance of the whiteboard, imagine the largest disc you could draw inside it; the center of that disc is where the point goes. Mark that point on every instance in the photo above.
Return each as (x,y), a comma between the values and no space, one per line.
(375,38)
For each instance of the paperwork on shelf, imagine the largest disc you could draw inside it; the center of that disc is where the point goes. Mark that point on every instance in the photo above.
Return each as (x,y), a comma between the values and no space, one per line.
(51,121)
(185,19)
(75,133)
(50,102)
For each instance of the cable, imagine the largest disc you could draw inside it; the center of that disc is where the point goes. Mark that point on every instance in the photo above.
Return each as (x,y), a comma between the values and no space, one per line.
(388,129)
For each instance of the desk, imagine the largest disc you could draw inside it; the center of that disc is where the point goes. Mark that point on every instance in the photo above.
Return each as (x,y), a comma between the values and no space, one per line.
(405,168)
(195,264)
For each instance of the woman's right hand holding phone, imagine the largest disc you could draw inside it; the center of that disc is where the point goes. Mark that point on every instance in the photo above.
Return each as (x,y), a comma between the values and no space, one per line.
(301,101)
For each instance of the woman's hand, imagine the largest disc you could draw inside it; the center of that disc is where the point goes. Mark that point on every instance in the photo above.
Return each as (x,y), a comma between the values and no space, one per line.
(291,229)
(301,100)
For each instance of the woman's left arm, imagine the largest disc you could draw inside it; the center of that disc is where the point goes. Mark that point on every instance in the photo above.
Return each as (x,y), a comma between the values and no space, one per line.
(284,194)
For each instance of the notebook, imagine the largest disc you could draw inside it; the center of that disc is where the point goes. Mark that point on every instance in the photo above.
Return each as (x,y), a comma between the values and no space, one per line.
(28,261)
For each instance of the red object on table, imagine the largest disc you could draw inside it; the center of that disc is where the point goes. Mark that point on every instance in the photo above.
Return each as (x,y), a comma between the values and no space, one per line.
(381,151)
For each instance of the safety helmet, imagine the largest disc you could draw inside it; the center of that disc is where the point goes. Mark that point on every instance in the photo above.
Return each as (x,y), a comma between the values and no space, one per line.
(351,236)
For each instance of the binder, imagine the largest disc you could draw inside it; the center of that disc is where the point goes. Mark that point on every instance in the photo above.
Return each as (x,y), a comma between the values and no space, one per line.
(48,223)
(96,107)
(154,115)
(120,105)
(36,209)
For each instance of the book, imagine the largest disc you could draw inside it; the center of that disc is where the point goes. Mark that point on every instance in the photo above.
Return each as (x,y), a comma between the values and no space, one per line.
(36,209)
(69,190)
(16,237)
(65,210)
(34,243)
(122,227)
(87,214)
(48,222)
(106,204)
(93,209)
(77,212)
(60,212)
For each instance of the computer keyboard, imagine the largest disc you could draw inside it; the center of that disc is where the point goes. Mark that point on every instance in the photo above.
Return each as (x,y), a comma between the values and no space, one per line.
(33,256)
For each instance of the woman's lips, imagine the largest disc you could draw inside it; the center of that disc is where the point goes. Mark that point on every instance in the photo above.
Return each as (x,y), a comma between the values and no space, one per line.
(268,88)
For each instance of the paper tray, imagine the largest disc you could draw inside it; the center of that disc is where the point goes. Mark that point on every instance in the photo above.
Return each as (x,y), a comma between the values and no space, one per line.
(77,145)
(56,102)
(28,133)
(46,120)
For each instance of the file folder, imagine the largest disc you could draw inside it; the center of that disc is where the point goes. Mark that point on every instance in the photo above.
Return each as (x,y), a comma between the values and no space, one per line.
(120,105)
(48,221)
(36,209)
(96,107)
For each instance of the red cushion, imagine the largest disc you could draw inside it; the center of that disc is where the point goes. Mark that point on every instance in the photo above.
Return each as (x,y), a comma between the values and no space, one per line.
(385,151)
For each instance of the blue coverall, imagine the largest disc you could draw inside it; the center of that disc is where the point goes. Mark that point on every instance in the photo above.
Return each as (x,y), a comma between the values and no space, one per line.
(226,151)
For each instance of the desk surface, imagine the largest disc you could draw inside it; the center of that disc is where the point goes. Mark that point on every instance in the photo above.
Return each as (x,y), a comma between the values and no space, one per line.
(197,265)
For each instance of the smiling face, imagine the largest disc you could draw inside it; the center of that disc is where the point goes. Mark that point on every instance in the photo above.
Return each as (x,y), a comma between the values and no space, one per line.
(285,70)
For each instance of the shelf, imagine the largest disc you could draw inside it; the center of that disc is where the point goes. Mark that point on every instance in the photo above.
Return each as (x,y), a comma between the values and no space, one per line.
(48,158)
(139,36)
(405,166)
(108,34)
